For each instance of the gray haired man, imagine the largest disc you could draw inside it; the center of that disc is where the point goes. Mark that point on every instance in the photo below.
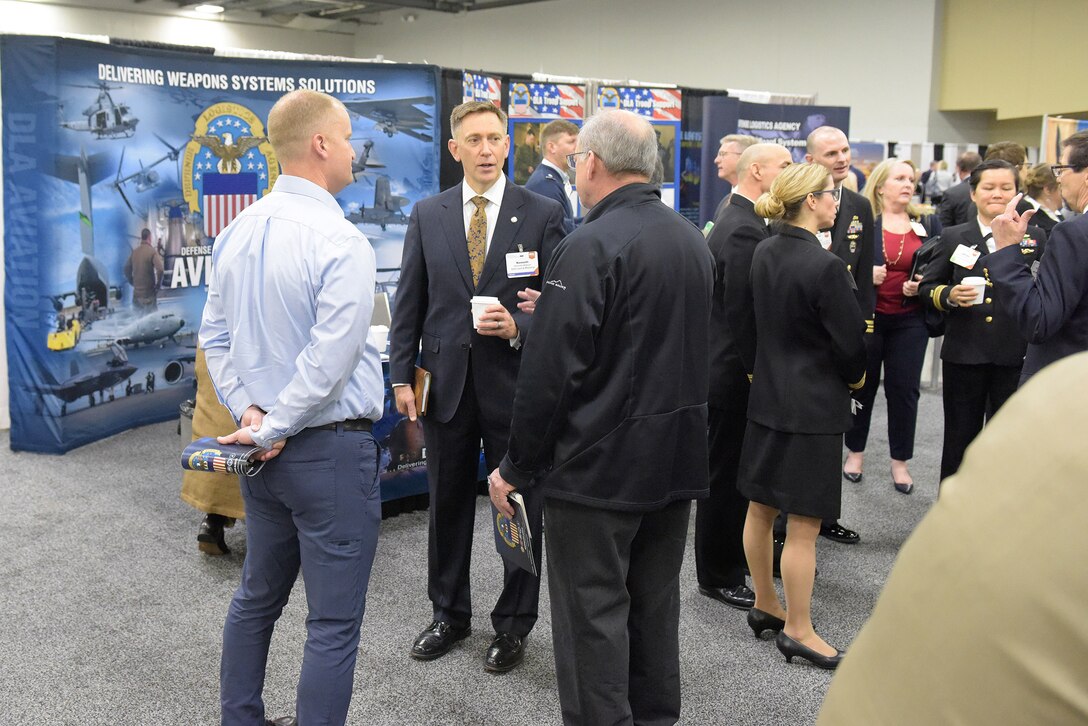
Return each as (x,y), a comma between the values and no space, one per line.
(610,421)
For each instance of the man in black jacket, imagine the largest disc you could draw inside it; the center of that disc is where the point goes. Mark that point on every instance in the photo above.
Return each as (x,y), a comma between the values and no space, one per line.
(852,240)
(610,422)
(719,520)
(956,206)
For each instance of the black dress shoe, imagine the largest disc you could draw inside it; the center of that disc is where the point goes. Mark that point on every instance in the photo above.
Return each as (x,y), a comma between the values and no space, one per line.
(739,596)
(761,622)
(902,488)
(281,721)
(209,538)
(854,476)
(505,653)
(437,639)
(792,649)
(839,533)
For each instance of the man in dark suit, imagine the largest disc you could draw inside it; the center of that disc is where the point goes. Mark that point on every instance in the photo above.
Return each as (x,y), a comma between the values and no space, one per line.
(1051,308)
(559,138)
(484,237)
(851,239)
(719,520)
(610,422)
(956,206)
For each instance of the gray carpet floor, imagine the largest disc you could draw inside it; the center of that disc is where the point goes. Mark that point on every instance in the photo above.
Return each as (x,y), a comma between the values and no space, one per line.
(110,615)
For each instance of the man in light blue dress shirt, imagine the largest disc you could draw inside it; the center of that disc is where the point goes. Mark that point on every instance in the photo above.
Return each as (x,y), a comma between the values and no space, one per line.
(285,331)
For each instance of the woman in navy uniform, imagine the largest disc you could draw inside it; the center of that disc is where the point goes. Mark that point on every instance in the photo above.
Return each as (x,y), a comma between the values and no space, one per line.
(810,353)
(983,349)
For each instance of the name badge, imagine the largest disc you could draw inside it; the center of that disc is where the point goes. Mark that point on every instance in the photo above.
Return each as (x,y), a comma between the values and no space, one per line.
(965,256)
(918,229)
(522,264)
(825,239)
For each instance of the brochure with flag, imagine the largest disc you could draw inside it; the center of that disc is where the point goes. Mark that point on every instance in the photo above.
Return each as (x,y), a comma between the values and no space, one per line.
(207,454)
(513,539)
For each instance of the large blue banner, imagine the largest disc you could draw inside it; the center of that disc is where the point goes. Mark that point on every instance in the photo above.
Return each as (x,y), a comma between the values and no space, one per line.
(788,125)
(120,167)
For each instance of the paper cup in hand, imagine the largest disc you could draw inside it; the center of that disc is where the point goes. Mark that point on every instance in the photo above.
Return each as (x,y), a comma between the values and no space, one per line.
(381,336)
(480,303)
(979,283)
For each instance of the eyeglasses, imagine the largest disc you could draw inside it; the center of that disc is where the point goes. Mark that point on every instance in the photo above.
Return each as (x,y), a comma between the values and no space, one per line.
(572,159)
(835,193)
(1057,169)
(722,154)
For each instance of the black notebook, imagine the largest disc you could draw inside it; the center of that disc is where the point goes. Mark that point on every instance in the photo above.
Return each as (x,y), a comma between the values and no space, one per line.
(513,539)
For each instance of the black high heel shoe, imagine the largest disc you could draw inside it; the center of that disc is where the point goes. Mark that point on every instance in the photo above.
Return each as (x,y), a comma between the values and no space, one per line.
(791,648)
(761,622)
(854,476)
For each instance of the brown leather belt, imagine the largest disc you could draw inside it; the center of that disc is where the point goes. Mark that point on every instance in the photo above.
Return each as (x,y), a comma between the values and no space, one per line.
(358,424)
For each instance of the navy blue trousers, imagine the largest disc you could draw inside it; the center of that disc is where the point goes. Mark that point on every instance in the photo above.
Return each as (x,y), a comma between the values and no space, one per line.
(898,345)
(316,506)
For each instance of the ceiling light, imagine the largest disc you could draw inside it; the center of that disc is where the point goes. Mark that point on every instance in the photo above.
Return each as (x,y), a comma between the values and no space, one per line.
(208,9)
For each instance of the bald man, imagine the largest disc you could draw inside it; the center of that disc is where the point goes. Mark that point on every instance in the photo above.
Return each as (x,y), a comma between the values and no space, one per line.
(286,337)
(851,239)
(719,520)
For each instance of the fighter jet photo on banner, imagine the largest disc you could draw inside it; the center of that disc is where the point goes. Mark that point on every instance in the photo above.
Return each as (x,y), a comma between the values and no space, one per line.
(121,165)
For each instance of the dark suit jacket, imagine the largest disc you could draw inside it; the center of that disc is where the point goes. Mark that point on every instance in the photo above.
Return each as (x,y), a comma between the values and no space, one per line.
(432,300)
(547,182)
(985,332)
(956,206)
(811,336)
(732,241)
(853,241)
(1052,309)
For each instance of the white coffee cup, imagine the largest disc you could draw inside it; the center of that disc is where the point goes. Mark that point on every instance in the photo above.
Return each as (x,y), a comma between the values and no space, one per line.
(979,283)
(480,303)
(381,336)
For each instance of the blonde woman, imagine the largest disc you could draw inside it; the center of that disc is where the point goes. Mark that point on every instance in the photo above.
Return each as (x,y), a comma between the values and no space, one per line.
(898,343)
(1042,193)
(810,354)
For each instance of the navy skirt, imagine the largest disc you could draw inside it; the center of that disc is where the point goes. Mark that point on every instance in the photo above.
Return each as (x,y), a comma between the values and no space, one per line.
(795,473)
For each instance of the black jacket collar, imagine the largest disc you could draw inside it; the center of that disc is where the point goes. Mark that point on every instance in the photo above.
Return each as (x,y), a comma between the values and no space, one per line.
(788,230)
(626,196)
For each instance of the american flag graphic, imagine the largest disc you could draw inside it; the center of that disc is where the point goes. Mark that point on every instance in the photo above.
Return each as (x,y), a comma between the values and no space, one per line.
(551,100)
(478,87)
(225,196)
(659,104)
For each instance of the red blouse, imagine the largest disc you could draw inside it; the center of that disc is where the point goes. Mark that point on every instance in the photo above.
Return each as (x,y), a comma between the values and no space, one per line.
(898,254)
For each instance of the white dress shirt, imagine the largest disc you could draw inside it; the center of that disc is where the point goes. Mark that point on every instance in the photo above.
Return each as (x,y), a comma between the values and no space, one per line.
(491,211)
(987,236)
(287,321)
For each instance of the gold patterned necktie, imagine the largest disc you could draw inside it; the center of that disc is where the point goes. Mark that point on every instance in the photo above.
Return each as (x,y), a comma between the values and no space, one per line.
(477,239)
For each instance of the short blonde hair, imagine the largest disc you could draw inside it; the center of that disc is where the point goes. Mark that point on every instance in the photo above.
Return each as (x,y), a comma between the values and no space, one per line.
(470,107)
(296,117)
(790,189)
(878,176)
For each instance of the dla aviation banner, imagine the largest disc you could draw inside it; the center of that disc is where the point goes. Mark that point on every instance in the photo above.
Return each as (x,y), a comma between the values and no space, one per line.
(120,167)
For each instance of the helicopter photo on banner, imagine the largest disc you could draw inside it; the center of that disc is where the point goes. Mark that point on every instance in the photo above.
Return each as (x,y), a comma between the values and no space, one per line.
(121,165)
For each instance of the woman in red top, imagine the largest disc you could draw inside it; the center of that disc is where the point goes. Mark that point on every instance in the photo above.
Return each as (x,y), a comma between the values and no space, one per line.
(899,339)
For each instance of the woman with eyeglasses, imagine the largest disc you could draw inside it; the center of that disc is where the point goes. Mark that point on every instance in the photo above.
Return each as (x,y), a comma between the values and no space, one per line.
(810,353)
(899,340)
(983,351)
(1042,193)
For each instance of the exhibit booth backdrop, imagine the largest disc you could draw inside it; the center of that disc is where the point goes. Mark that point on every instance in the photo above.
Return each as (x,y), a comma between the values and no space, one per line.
(104,141)
(788,125)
